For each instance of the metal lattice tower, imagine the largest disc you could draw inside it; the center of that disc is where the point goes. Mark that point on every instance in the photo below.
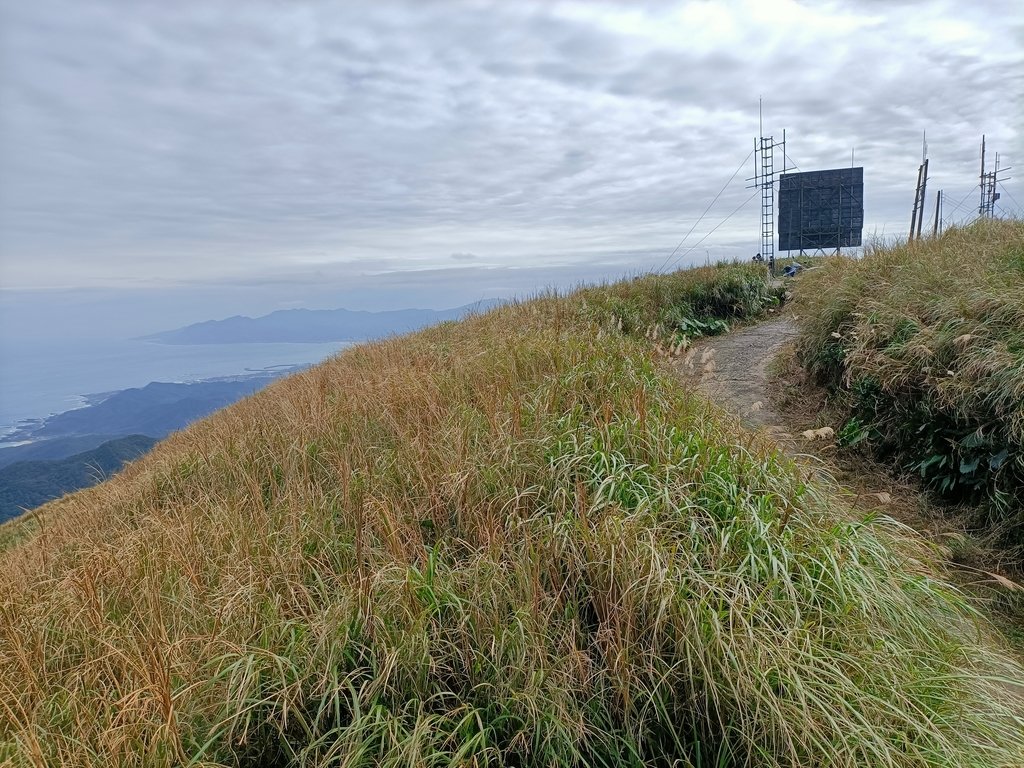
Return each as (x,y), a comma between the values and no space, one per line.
(989,195)
(767,181)
(764,178)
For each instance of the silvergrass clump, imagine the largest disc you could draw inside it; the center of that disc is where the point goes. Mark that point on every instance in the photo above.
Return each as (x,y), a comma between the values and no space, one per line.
(509,541)
(925,343)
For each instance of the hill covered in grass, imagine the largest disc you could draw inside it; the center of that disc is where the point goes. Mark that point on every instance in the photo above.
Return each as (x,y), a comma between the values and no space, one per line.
(514,540)
(924,343)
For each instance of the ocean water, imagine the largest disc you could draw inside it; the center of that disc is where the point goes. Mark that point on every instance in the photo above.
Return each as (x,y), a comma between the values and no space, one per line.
(39,378)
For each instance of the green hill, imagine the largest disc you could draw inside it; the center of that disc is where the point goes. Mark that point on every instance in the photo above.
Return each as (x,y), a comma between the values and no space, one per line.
(51,448)
(27,484)
(516,540)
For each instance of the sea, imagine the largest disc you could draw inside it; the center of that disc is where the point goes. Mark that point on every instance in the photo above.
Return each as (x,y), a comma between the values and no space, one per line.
(40,378)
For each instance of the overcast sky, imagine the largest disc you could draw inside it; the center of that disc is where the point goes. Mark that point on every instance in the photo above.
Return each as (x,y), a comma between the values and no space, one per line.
(358,154)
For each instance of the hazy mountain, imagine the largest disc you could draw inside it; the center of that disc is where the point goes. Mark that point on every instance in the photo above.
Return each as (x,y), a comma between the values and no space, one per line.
(27,484)
(80,447)
(51,448)
(314,325)
(157,408)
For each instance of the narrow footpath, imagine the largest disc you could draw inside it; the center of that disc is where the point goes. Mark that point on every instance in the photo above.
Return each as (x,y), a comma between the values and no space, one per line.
(733,372)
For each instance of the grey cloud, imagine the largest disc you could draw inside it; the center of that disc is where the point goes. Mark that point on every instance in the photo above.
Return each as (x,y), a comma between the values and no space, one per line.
(229,141)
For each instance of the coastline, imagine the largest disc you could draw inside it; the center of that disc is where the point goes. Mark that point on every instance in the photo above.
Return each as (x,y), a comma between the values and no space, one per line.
(42,378)
(26,431)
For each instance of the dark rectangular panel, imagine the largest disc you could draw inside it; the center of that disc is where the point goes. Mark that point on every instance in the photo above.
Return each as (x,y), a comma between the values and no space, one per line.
(821,209)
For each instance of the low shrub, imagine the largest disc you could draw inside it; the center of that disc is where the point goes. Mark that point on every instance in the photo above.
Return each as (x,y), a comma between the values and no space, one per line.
(695,302)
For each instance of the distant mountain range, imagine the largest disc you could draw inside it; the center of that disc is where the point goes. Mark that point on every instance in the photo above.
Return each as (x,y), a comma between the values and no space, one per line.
(315,325)
(51,448)
(77,448)
(156,409)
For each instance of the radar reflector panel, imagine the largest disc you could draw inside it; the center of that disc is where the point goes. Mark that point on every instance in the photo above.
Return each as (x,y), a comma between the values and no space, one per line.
(821,209)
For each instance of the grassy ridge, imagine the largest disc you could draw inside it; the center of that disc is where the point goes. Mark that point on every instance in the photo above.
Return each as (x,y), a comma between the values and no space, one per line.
(509,541)
(926,343)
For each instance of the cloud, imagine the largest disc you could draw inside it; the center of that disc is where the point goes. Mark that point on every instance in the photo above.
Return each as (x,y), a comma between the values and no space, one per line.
(464,256)
(154,143)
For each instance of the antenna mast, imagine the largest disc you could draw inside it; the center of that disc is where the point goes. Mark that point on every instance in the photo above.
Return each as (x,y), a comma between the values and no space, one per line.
(764,178)
(987,207)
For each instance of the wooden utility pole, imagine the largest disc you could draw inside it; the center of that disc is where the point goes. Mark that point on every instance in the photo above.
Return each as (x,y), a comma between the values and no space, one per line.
(938,213)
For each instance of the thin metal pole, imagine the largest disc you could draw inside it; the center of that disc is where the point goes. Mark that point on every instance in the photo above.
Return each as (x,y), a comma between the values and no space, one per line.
(917,197)
(920,210)
(981,206)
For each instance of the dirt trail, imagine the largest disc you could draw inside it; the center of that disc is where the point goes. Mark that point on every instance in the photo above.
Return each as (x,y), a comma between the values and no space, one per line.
(733,371)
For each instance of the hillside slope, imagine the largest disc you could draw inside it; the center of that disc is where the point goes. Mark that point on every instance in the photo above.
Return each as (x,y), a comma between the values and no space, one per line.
(513,540)
(157,409)
(924,344)
(51,448)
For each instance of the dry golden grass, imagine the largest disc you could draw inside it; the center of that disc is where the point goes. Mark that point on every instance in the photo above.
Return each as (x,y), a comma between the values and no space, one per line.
(509,541)
(927,342)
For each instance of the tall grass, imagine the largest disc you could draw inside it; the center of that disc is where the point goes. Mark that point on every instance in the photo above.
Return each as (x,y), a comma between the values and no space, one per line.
(509,541)
(926,343)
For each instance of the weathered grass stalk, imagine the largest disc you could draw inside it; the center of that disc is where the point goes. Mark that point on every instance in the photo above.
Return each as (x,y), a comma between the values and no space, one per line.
(502,542)
(925,343)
